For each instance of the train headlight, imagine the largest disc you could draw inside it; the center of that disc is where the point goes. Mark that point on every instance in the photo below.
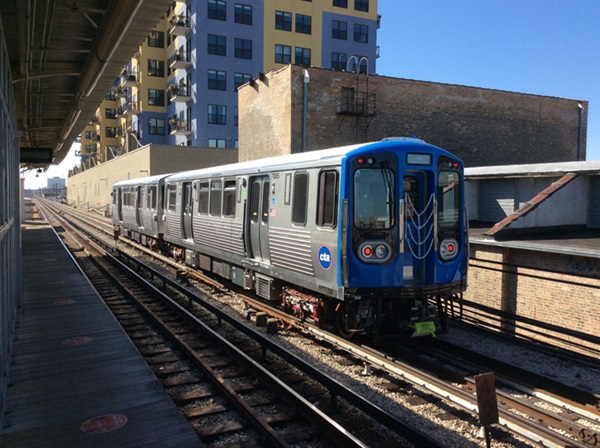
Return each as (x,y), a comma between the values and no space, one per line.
(374,251)
(448,249)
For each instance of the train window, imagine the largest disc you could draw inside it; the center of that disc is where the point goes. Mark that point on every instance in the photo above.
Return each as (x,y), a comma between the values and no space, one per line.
(265,202)
(254,203)
(448,200)
(328,199)
(203,198)
(229,198)
(152,197)
(411,198)
(374,198)
(172,197)
(216,187)
(287,192)
(299,199)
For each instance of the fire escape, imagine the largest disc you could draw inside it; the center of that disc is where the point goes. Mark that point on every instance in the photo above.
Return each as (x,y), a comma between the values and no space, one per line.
(357,103)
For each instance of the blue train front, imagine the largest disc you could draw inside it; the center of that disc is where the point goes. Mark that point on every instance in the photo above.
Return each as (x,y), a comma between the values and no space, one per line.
(403,242)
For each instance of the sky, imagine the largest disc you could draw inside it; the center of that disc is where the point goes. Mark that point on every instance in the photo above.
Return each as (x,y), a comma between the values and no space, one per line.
(540,47)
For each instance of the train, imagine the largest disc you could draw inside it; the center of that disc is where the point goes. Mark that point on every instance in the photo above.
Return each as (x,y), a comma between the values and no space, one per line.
(366,239)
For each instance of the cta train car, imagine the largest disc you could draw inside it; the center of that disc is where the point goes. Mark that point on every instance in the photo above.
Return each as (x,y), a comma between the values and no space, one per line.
(369,238)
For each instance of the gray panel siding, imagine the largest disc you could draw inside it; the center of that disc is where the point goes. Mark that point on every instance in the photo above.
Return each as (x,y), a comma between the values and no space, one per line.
(497,200)
(174,225)
(224,234)
(148,222)
(129,217)
(594,206)
(291,248)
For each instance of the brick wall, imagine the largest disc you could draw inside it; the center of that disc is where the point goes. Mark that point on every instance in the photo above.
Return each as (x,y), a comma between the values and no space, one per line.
(556,289)
(482,126)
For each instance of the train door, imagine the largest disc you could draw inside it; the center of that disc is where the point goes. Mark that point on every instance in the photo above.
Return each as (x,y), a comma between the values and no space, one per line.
(187,205)
(138,205)
(258,247)
(418,210)
(119,193)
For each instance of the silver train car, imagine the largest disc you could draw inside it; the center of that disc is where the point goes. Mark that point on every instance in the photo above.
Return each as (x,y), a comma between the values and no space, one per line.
(369,238)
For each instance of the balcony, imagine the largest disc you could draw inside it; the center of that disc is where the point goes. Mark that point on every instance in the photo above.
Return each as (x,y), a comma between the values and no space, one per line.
(128,109)
(179,93)
(130,80)
(179,26)
(179,127)
(180,60)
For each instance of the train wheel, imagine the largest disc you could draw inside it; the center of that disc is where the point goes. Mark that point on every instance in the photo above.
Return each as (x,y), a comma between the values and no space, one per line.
(344,322)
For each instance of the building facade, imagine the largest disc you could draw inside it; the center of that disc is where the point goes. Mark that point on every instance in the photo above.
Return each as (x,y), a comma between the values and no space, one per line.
(180,88)
(298,109)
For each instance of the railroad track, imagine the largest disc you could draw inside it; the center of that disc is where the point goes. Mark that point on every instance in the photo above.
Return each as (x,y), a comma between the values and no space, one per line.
(403,375)
(186,354)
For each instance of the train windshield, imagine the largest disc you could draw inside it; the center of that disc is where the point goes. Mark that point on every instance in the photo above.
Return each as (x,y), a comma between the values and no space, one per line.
(374,198)
(449,200)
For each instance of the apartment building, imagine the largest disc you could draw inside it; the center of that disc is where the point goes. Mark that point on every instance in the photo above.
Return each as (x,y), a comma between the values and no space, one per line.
(180,88)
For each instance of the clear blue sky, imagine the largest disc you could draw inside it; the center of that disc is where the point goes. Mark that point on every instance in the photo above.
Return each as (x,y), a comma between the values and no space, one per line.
(541,47)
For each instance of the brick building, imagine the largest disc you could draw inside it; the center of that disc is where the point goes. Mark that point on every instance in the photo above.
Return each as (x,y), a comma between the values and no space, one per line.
(482,126)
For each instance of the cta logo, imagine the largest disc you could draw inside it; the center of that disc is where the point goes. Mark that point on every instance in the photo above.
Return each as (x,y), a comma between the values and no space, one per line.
(325,258)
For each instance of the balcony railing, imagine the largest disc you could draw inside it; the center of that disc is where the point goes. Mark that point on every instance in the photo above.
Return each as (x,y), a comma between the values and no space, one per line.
(130,80)
(179,93)
(179,25)
(179,127)
(180,60)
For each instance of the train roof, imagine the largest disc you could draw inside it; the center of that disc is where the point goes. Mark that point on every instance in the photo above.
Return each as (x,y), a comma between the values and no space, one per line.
(331,155)
(141,180)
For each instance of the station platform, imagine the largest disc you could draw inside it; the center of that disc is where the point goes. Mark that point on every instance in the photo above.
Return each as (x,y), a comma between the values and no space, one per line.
(76,379)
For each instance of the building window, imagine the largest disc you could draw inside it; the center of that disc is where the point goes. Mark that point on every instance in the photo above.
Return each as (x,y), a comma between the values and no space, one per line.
(283,21)
(110,113)
(361,5)
(90,135)
(217,143)
(156,68)
(156,39)
(243,14)
(235,116)
(339,30)
(338,61)
(361,33)
(110,132)
(283,54)
(303,24)
(217,80)
(90,148)
(217,114)
(217,45)
(243,48)
(340,3)
(240,79)
(302,56)
(156,97)
(217,9)
(156,126)
(111,95)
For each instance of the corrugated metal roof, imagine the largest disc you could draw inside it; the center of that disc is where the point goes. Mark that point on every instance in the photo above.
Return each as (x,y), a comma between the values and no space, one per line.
(64,56)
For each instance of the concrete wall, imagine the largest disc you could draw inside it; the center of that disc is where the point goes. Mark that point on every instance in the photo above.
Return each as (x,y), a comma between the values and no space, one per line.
(556,289)
(482,126)
(92,188)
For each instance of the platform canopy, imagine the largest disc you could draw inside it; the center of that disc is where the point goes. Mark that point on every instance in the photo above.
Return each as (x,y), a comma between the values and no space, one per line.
(64,56)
